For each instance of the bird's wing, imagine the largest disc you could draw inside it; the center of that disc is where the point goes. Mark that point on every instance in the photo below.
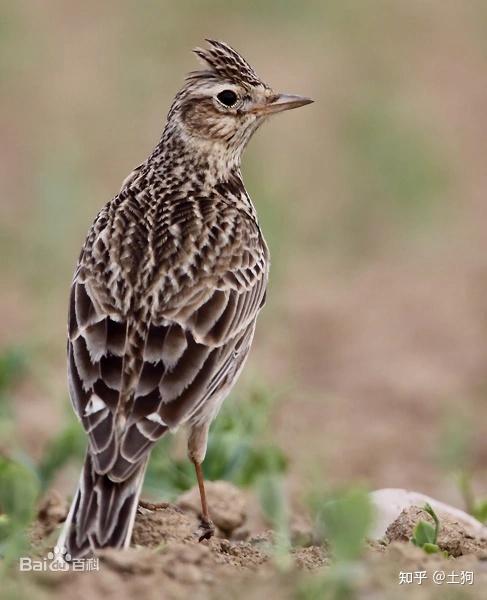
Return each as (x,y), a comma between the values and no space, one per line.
(133,376)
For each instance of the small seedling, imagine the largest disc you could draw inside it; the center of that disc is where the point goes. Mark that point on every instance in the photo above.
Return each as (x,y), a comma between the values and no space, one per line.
(477,508)
(457,457)
(69,444)
(275,508)
(343,518)
(19,491)
(240,450)
(480,511)
(12,367)
(425,535)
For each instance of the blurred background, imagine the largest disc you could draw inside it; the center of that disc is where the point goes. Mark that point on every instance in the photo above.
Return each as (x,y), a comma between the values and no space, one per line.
(373,345)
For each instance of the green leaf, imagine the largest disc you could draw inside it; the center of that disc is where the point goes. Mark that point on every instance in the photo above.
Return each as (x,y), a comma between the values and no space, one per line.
(69,444)
(272,500)
(424,533)
(19,490)
(480,511)
(431,548)
(12,366)
(5,525)
(274,505)
(429,509)
(345,519)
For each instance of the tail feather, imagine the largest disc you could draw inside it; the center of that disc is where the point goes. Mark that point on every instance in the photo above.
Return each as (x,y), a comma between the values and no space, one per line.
(102,513)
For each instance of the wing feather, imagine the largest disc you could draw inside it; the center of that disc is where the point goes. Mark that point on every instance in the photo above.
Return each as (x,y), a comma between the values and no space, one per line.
(136,372)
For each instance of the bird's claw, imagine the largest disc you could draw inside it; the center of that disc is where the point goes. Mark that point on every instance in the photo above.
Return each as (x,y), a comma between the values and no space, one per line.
(206,530)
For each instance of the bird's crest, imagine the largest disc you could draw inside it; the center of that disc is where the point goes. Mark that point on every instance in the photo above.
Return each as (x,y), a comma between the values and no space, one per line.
(223,62)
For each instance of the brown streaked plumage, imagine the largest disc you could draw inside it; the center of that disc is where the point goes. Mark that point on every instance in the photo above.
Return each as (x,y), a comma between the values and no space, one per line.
(165,296)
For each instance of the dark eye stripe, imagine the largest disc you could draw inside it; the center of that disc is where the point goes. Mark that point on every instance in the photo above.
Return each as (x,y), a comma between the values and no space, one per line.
(227,97)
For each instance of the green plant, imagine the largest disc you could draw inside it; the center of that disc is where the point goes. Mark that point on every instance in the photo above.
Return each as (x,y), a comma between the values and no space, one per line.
(12,367)
(275,508)
(238,450)
(19,492)
(477,508)
(342,518)
(336,583)
(19,482)
(456,457)
(480,511)
(425,535)
(69,444)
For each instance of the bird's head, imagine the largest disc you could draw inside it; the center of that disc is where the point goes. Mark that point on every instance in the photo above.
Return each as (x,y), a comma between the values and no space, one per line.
(222,105)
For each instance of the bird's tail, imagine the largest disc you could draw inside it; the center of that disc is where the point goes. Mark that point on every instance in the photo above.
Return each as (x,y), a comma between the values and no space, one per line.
(102,513)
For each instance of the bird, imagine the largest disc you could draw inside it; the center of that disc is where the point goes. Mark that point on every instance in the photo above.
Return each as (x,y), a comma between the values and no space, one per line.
(165,297)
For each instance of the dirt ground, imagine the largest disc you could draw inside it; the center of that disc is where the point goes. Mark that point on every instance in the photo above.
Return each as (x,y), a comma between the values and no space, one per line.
(371,328)
(374,337)
(167,561)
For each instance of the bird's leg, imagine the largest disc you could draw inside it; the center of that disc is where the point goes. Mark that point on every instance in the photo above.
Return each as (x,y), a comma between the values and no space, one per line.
(197,442)
(207,529)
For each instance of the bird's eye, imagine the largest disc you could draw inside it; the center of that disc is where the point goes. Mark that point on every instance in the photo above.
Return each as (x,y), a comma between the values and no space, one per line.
(227,97)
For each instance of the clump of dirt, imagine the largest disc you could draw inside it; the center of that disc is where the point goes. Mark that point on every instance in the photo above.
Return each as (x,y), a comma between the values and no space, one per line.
(239,554)
(52,510)
(167,557)
(156,528)
(452,536)
(167,560)
(228,505)
(310,557)
(164,526)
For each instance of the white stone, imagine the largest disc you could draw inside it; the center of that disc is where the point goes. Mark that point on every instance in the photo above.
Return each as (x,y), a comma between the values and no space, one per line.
(390,502)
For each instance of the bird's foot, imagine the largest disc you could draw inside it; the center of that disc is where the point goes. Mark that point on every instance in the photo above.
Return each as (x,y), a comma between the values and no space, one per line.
(206,530)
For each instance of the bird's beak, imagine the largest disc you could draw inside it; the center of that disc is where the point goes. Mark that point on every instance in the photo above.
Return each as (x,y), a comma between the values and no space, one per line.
(281,102)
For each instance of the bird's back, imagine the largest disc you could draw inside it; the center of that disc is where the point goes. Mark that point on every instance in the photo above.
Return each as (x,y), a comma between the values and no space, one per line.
(170,280)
